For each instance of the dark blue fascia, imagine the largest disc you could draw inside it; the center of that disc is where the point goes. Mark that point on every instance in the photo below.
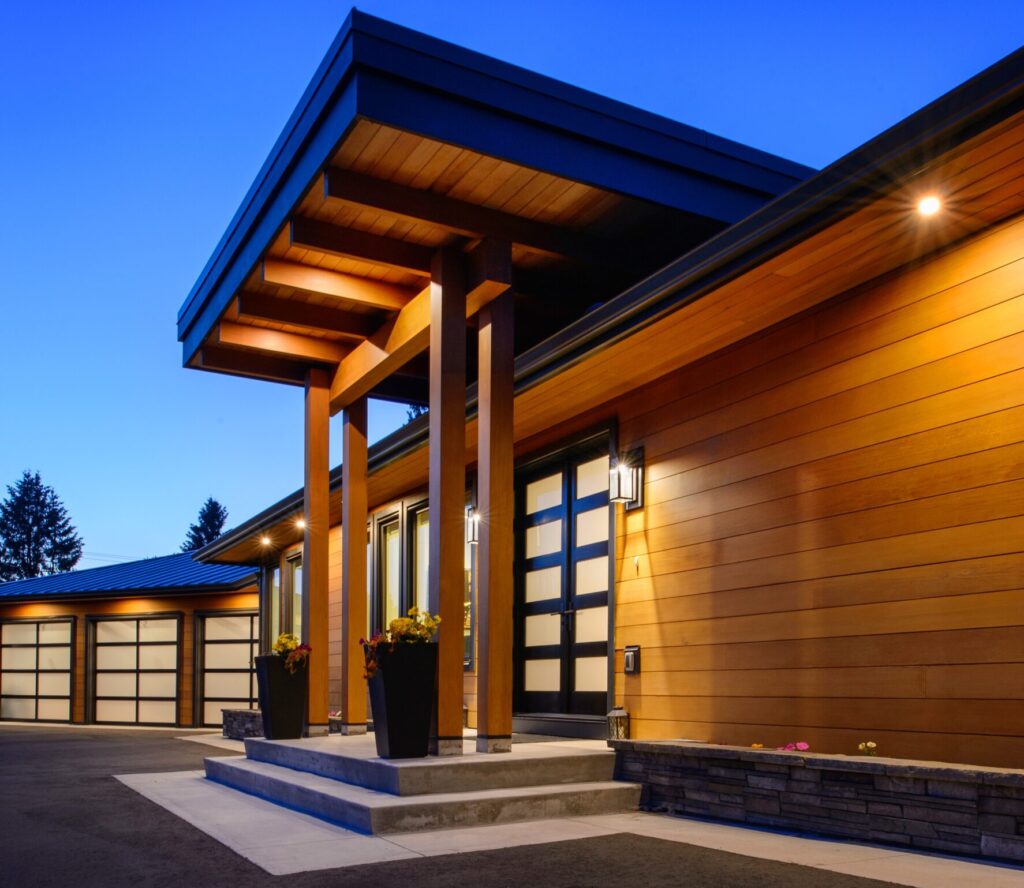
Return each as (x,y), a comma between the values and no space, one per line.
(396,76)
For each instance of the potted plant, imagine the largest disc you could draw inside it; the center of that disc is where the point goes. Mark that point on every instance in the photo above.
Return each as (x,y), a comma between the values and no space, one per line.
(283,677)
(401,668)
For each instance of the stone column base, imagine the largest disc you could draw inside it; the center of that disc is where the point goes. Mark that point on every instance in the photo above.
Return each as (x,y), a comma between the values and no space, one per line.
(349,730)
(443,746)
(500,743)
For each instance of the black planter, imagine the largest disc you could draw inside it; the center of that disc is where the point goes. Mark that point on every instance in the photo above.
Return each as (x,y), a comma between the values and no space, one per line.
(282,698)
(402,693)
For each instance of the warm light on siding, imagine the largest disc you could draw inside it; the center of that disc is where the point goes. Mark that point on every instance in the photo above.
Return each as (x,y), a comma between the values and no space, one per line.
(929,205)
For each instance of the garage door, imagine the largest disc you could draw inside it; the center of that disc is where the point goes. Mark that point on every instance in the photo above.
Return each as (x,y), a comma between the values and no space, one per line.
(135,676)
(35,670)
(229,642)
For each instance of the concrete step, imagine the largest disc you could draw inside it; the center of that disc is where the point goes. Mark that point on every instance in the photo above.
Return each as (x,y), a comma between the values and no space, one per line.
(353,760)
(370,811)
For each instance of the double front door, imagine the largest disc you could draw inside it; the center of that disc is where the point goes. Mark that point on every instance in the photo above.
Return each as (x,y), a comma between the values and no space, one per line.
(563,574)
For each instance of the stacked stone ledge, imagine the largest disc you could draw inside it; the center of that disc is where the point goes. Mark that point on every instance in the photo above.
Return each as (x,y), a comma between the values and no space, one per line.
(976,812)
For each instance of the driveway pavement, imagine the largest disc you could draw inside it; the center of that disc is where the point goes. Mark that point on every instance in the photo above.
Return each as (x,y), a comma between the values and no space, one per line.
(66,821)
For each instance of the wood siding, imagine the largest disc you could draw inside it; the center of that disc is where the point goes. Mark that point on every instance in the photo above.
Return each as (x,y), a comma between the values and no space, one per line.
(832,543)
(184,605)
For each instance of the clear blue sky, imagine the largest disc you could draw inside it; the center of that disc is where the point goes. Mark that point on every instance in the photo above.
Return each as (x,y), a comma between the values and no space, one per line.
(129,132)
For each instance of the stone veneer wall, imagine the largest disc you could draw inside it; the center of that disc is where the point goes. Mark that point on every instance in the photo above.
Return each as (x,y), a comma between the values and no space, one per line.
(242,723)
(931,806)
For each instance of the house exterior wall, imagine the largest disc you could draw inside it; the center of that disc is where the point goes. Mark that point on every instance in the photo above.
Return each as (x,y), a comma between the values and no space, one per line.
(187,606)
(832,543)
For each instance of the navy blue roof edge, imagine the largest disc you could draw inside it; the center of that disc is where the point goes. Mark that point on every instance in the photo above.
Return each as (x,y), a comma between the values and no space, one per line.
(978,104)
(163,575)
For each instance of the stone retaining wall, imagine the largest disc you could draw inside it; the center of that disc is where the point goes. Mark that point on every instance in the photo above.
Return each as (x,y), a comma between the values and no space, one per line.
(931,806)
(242,723)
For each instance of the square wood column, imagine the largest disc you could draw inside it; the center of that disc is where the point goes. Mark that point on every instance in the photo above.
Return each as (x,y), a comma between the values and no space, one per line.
(315,558)
(353,567)
(447,446)
(496,506)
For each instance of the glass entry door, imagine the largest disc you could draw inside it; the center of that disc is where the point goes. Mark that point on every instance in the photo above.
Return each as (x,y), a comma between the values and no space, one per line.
(563,524)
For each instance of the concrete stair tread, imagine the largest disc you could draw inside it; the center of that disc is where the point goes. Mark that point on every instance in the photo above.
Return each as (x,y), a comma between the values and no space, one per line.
(372,811)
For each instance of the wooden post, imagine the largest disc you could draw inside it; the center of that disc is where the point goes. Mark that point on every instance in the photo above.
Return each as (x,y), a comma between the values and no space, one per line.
(315,559)
(448,486)
(496,505)
(353,567)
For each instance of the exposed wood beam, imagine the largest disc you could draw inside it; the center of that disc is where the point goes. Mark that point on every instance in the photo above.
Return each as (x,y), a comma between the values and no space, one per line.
(408,334)
(467,219)
(333,283)
(262,307)
(279,344)
(312,234)
(257,366)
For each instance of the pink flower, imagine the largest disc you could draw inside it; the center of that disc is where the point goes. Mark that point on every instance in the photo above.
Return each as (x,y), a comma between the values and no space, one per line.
(803,747)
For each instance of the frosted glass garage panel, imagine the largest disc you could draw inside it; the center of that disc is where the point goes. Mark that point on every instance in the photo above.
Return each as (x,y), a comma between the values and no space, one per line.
(108,631)
(542,675)
(212,714)
(115,658)
(543,629)
(228,628)
(592,624)
(115,684)
(115,710)
(55,684)
(592,477)
(18,633)
(55,658)
(544,494)
(157,684)
(543,539)
(592,526)
(157,712)
(591,673)
(12,707)
(592,575)
(55,633)
(55,710)
(544,584)
(19,658)
(227,656)
(158,630)
(227,684)
(18,683)
(158,656)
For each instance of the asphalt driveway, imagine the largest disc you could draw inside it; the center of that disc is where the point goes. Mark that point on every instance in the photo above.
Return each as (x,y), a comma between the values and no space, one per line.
(66,821)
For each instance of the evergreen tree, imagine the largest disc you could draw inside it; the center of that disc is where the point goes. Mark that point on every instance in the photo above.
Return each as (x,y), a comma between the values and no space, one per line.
(36,535)
(208,526)
(414,410)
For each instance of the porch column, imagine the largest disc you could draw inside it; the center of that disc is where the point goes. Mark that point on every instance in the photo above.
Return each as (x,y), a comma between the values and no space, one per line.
(353,567)
(314,543)
(496,505)
(447,445)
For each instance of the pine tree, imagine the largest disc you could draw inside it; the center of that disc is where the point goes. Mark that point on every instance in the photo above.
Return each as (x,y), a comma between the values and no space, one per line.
(36,535)
(412,411)
(208,526)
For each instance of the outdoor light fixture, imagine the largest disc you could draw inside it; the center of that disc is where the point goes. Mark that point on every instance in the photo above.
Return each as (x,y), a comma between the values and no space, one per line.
(264,540)
(472,526)
(300,523)
(929,205)
(618,724)
(626,480)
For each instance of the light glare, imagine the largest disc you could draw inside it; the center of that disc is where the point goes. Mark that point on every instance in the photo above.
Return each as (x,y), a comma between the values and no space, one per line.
(929,206)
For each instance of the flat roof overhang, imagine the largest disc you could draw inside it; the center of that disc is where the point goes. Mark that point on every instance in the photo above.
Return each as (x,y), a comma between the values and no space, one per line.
(851,223)
(403,144)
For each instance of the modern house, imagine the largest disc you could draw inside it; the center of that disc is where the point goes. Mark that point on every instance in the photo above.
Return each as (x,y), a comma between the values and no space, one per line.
(164,641)
(729,442)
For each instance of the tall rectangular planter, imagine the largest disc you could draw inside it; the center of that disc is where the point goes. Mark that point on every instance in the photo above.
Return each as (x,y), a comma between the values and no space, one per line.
(283,697)
(402,693)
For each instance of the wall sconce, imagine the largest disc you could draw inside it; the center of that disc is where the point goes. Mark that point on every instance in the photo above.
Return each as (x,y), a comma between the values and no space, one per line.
(472,526)
(626,480)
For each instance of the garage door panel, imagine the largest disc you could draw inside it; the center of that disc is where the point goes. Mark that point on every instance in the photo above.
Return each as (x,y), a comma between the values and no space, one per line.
(24,679)
(229,646)
(135,678)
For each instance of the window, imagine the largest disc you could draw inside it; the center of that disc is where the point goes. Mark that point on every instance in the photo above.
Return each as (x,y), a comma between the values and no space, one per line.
(293,596)
(390,573)
(421,559)
(274,603)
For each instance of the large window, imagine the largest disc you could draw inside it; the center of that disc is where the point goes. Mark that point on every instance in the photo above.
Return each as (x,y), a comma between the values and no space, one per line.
(293,595)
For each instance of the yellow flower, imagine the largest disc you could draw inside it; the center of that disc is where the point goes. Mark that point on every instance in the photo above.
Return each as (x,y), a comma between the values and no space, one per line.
(757,746)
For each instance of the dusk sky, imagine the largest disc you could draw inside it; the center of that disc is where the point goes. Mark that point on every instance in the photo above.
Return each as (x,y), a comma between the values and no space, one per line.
(131,131)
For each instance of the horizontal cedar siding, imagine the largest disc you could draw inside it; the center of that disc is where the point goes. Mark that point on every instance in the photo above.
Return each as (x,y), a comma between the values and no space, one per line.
(832,546)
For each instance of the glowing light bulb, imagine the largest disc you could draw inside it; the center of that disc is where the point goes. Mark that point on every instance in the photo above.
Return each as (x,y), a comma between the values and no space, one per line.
(929,206)
(264,540)
(300,523)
